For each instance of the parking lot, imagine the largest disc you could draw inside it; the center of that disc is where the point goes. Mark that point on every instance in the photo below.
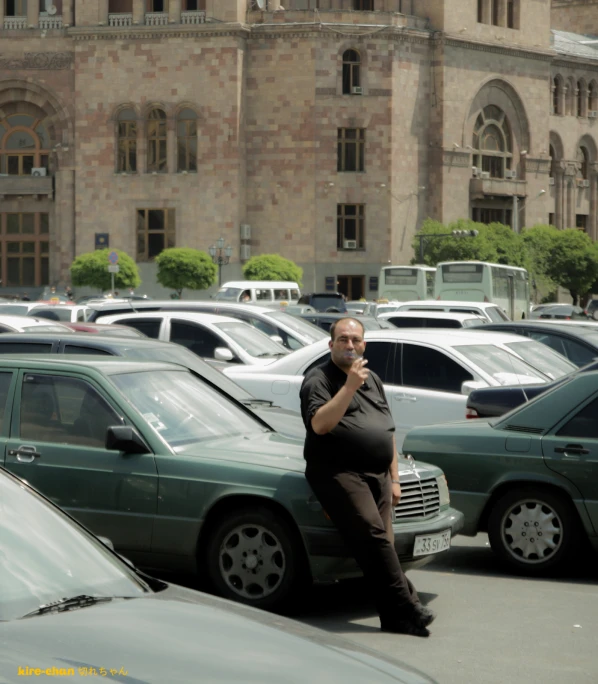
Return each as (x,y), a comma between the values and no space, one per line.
(492,628)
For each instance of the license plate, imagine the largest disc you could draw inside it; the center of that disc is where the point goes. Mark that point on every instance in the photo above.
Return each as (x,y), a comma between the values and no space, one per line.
(432,543)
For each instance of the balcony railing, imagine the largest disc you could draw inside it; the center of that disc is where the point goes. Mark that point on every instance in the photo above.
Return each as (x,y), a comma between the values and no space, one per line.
(120,20)
(502,187)
(48,22)
(156,19)
(193,17)
(25,185)
(15,23)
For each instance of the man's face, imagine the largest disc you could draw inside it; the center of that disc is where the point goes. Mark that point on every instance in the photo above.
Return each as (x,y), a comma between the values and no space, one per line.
(348,344)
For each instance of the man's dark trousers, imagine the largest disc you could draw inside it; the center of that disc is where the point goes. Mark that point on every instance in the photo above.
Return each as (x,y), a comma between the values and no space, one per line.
(359,505)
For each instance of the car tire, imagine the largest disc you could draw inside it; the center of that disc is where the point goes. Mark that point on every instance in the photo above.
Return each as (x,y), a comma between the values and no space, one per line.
(253,557)
(534,531)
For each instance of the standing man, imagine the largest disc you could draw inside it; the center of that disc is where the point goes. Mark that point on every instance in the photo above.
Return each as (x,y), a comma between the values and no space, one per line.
(352,468)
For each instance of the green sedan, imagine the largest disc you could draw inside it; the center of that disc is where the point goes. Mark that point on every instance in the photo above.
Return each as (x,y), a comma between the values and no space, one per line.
(181,478)
(528,478)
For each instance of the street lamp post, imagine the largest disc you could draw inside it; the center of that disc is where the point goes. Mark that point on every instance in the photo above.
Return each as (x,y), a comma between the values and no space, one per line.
(432,236)
(220,256)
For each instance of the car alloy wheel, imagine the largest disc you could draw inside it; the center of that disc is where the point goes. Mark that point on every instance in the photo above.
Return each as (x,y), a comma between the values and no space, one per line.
(534,530)
(252,561)
(254,556)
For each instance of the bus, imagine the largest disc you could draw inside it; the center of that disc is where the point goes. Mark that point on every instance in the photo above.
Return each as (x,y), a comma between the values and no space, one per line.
(406,283)
(479,281)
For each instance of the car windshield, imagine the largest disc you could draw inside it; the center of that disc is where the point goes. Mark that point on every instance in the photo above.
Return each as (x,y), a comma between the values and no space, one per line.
(52,313)
(505,368)
(496,314)
(118,331)
(14,309)
(308,330)
(182,409)
(46,328)
(251,340)
(181,355)
(46,557)
(327,302)
(228,293)
(543,358)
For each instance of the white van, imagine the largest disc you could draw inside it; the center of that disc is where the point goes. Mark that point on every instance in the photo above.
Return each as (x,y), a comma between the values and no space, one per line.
(259,292)
(486,310)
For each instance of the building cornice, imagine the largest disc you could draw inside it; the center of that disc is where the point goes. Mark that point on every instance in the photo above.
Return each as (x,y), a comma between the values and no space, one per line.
(510,50)
(208,30)
(568,61)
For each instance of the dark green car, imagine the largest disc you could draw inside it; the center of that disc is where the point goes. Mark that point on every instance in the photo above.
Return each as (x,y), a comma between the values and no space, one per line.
(528,478)
(181,478)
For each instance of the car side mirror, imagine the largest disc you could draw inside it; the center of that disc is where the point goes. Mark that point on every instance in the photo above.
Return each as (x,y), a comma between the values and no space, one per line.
(470,385)
(126,439)
(277,338)
(223,354)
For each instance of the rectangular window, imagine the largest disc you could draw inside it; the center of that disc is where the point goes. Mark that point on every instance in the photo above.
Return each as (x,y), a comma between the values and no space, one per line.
(350,222)
(156,231)
(551,220)
(481,11)
(494,12)
(157,5)
(16,8)
(581,221)
(187,145)
(351,149)
(127,146)
(24,249)
(366,5)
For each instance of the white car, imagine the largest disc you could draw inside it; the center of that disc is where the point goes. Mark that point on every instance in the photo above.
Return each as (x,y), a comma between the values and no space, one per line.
(212,337)
(491,312)
(426,376)
(10,324)
(67,313)
(431,319)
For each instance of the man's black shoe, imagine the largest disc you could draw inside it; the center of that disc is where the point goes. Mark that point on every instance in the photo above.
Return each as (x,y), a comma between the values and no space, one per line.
(405,627)
(424,616)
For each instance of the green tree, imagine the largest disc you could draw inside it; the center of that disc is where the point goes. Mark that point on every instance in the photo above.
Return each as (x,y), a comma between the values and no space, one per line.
(91,270)
(454,248)
(183,267)
(573,264)
(272,267)
(539,243)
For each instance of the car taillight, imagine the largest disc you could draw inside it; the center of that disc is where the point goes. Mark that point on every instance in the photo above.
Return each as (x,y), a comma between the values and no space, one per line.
(471,413)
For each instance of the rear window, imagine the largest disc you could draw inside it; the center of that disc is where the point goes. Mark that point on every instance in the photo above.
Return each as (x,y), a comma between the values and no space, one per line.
(462,273)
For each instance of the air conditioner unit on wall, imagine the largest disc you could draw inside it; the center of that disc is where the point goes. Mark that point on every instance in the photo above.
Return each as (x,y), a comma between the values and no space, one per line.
(510,174)
(485,175)
(593,114)
(245,231)
(245,252)
(475,172)
(583,183)
(40,171)
(350,244)
(356,90)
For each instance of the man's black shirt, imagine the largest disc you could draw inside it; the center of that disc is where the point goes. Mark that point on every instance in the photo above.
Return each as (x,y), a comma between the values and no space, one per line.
(363,440)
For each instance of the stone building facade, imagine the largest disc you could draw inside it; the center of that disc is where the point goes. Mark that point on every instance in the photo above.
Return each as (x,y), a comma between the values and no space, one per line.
(326,131)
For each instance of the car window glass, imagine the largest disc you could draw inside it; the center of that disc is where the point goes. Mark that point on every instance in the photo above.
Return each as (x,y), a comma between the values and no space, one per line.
(553,341)
(64,411)
(294,294)
(266,328)
(5,380)
(81,315)
(442,323)
(431,369)
(195,337)
(402,322)
(584,424)
(578,353)
(148,326)
(281,295)
(25,347)
(380,356)
(76,349)
(263,295)
(494,313)
(318,362)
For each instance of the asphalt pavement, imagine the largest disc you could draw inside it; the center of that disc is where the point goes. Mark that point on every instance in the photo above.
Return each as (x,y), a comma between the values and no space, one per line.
(492,627)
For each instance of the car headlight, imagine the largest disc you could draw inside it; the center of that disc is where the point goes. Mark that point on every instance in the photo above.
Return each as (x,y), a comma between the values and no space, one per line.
(443,491)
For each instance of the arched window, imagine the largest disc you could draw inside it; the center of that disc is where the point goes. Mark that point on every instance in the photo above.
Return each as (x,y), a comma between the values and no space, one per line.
(351,72)
(592,97)
(186,129)
(24,145)
(156,141)
(553,162)
(570,97)
(557,95)
(581,98)
(492,142)
(582,159)
(127,141)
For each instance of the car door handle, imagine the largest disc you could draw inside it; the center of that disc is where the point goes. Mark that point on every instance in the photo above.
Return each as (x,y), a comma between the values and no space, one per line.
(25,453)
(571,449)
(405,397)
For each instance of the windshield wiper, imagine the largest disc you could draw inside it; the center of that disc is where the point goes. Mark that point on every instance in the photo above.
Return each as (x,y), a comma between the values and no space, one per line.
(65,604)
(257,402)
(270,354)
